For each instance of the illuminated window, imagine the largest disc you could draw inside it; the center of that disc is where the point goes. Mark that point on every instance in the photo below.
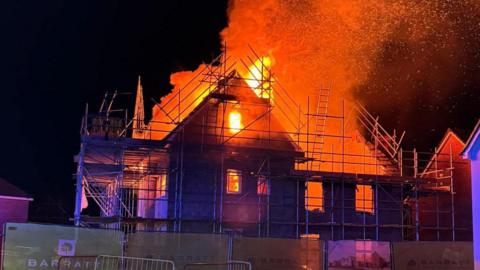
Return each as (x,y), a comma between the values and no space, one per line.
(262,185)
(234,181)
(235,121)
(364,199)
(162,185)
(314,196)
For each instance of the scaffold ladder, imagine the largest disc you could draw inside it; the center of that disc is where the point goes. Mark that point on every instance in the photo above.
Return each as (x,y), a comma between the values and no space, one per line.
(320,126)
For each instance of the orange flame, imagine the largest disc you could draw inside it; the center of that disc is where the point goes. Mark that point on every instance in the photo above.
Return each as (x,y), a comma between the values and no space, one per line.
(259,77)
(235,121)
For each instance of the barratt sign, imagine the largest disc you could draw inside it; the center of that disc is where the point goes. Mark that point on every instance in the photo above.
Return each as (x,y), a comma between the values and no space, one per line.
(37,246)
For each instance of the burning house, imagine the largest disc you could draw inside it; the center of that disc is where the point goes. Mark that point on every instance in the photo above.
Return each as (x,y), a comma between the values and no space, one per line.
(232,151)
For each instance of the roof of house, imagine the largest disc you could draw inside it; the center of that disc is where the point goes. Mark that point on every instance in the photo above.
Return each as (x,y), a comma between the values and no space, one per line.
(239,94)
(461,133)
(449,134)
(474,136)
(9,190)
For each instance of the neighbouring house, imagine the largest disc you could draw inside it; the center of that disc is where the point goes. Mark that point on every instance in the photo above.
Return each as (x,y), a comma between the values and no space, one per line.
(448,206)
(472,152)
(14,204)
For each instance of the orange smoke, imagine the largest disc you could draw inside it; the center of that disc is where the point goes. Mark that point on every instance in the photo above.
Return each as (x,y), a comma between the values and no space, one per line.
(330,42)
(315,44)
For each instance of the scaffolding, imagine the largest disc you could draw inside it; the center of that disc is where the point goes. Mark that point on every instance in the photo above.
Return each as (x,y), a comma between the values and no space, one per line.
(134,173)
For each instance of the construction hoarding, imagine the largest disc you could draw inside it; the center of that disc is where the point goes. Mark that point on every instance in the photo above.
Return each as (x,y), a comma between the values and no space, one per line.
(38,246)
(433,255)
(271,253)
(349,254)
(182,248)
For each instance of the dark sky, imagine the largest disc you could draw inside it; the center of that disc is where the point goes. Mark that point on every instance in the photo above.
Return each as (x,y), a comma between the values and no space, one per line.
(58,55)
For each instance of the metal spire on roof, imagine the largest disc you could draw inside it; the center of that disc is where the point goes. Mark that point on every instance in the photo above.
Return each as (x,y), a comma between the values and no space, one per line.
(139,113)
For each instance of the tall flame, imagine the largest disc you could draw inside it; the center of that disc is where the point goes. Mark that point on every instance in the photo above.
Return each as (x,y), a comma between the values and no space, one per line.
(235,121)
(259,77)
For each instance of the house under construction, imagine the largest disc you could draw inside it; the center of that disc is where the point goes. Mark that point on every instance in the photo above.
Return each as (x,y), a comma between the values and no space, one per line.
(232,151)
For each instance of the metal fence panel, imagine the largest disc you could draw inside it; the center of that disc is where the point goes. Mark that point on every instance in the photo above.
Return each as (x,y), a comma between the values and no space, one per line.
(132,263)
(231,265)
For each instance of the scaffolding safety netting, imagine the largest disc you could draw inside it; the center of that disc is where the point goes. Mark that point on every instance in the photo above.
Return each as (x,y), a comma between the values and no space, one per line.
(273,253)
(349,254)
(433,255)
(181,248)
(36,246)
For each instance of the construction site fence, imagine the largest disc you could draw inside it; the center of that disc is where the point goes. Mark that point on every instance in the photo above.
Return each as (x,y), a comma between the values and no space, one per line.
(231,265)
(104,262)
(39,246)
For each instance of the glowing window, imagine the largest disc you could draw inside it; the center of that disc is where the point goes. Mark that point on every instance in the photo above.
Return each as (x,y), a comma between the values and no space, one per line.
(262,185)
(314,196)
(234,181)
(364,199)
(235,121)
(162,185)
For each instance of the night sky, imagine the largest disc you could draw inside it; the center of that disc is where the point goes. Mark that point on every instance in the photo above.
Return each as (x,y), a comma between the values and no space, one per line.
(58,55)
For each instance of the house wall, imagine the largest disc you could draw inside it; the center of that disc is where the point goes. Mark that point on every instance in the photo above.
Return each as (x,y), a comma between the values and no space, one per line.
(436,208)
(204,180)
(389,212)
(12,210)
(247,213)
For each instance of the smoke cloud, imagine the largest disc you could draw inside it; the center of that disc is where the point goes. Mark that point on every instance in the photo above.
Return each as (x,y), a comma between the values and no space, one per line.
(392,55)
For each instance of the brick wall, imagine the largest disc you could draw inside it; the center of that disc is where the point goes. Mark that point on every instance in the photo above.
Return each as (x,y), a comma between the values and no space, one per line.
(11,211)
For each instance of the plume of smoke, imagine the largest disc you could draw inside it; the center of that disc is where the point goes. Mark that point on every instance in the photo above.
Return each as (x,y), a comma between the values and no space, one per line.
(318,42)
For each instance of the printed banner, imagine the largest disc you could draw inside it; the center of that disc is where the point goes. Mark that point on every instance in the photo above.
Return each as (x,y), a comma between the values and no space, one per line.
(433,255)
(279,254)
(35,246)
(361,255)
(182,248)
